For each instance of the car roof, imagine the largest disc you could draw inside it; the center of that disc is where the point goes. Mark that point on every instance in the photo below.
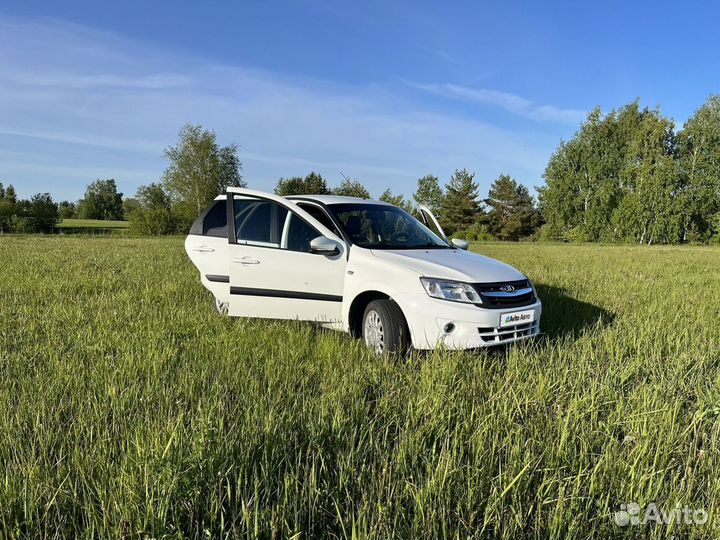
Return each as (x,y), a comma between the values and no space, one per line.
(334,199)
(324,199)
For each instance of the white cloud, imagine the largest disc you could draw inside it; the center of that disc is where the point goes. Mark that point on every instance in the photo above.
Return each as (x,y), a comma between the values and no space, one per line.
(66,136)
(510,102)
(78,81)
(77,103)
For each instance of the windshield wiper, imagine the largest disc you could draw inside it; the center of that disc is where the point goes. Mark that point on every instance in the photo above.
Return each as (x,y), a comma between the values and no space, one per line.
(427,246)
(405,246)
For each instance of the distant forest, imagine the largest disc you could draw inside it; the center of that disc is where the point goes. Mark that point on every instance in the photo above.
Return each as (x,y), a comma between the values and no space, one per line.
(626,176)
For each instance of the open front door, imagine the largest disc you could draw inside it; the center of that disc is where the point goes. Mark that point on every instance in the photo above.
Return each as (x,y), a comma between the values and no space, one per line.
(273,273)
(431,222)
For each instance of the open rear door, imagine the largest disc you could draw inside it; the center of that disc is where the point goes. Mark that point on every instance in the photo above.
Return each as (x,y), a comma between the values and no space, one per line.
(431,222)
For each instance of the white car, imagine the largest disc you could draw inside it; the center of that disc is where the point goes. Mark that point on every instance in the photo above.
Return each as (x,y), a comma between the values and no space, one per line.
(361,266)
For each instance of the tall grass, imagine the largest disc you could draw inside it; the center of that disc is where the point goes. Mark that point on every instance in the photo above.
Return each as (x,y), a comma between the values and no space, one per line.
(92,224)
(128,408)
(93,227)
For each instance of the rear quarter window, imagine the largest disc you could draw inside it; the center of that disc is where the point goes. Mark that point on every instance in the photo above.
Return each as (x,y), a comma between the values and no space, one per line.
(212,222)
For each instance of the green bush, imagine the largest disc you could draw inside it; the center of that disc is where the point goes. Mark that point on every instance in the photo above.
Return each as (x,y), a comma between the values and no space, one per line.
(41,215)
(550,233)
(716,228)
(477,232)
(577,235)
(152,222)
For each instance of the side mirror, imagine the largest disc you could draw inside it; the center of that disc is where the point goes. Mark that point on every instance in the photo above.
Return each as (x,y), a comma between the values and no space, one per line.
(324,246)
(460,244)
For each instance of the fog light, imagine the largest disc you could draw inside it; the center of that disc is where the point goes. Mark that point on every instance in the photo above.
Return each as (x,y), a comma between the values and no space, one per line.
(449,327)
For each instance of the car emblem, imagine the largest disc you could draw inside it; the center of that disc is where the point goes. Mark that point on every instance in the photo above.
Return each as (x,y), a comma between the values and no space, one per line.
(507,288)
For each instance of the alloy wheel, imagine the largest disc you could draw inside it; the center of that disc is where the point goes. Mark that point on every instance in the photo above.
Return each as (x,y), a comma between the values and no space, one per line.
(374,332)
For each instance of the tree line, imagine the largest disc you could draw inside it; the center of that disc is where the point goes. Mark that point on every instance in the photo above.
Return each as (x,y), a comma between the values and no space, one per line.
(200,169)
(625,176)
(509,212)
(631,176)
(39,214)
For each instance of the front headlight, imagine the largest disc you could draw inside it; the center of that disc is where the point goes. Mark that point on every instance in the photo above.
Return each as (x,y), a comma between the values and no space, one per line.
(455,291)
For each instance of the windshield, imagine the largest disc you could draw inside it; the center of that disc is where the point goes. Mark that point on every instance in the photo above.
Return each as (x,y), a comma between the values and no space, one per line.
(380,226)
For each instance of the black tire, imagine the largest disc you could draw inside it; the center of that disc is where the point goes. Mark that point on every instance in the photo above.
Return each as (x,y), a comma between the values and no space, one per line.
(393,336)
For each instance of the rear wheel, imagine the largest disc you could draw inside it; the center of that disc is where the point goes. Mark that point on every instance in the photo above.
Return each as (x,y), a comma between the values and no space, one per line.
(221,307)
(384,328)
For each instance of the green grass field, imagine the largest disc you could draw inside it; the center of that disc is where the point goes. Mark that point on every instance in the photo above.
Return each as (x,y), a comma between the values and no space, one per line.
(93,227)
(128,408)
(92,223)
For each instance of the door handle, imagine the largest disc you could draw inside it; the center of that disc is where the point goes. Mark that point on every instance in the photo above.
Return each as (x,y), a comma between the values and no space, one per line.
(246,260)
(203,249)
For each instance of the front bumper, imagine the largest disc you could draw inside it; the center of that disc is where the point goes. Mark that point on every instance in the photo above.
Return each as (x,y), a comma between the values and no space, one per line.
(472,327)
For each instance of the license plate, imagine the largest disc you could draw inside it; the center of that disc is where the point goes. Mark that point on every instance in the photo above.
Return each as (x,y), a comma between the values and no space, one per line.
(517,317)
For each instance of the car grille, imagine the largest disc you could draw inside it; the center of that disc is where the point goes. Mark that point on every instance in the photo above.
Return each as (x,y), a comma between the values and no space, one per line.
(508,333)
(494,297)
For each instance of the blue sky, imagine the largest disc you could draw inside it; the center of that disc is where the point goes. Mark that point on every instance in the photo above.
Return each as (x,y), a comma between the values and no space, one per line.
(383,91)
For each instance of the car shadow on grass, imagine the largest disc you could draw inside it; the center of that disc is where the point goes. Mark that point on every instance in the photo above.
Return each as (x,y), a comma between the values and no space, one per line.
(564,315)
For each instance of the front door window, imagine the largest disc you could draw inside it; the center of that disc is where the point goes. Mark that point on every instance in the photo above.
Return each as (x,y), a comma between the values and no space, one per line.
(259,222)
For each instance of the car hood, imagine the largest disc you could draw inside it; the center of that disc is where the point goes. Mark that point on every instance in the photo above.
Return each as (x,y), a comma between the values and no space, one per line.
(453,264)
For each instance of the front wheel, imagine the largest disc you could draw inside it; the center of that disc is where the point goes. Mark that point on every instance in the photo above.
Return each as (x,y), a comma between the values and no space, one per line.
(384,328)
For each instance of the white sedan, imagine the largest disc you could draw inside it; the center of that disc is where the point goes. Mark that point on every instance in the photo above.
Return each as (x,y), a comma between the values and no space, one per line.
(361,266)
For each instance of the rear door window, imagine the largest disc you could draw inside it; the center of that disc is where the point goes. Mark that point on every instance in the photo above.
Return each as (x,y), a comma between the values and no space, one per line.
(212,222)
(215,222)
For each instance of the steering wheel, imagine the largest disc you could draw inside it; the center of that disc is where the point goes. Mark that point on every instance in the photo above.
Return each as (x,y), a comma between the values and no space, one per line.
(399,237)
